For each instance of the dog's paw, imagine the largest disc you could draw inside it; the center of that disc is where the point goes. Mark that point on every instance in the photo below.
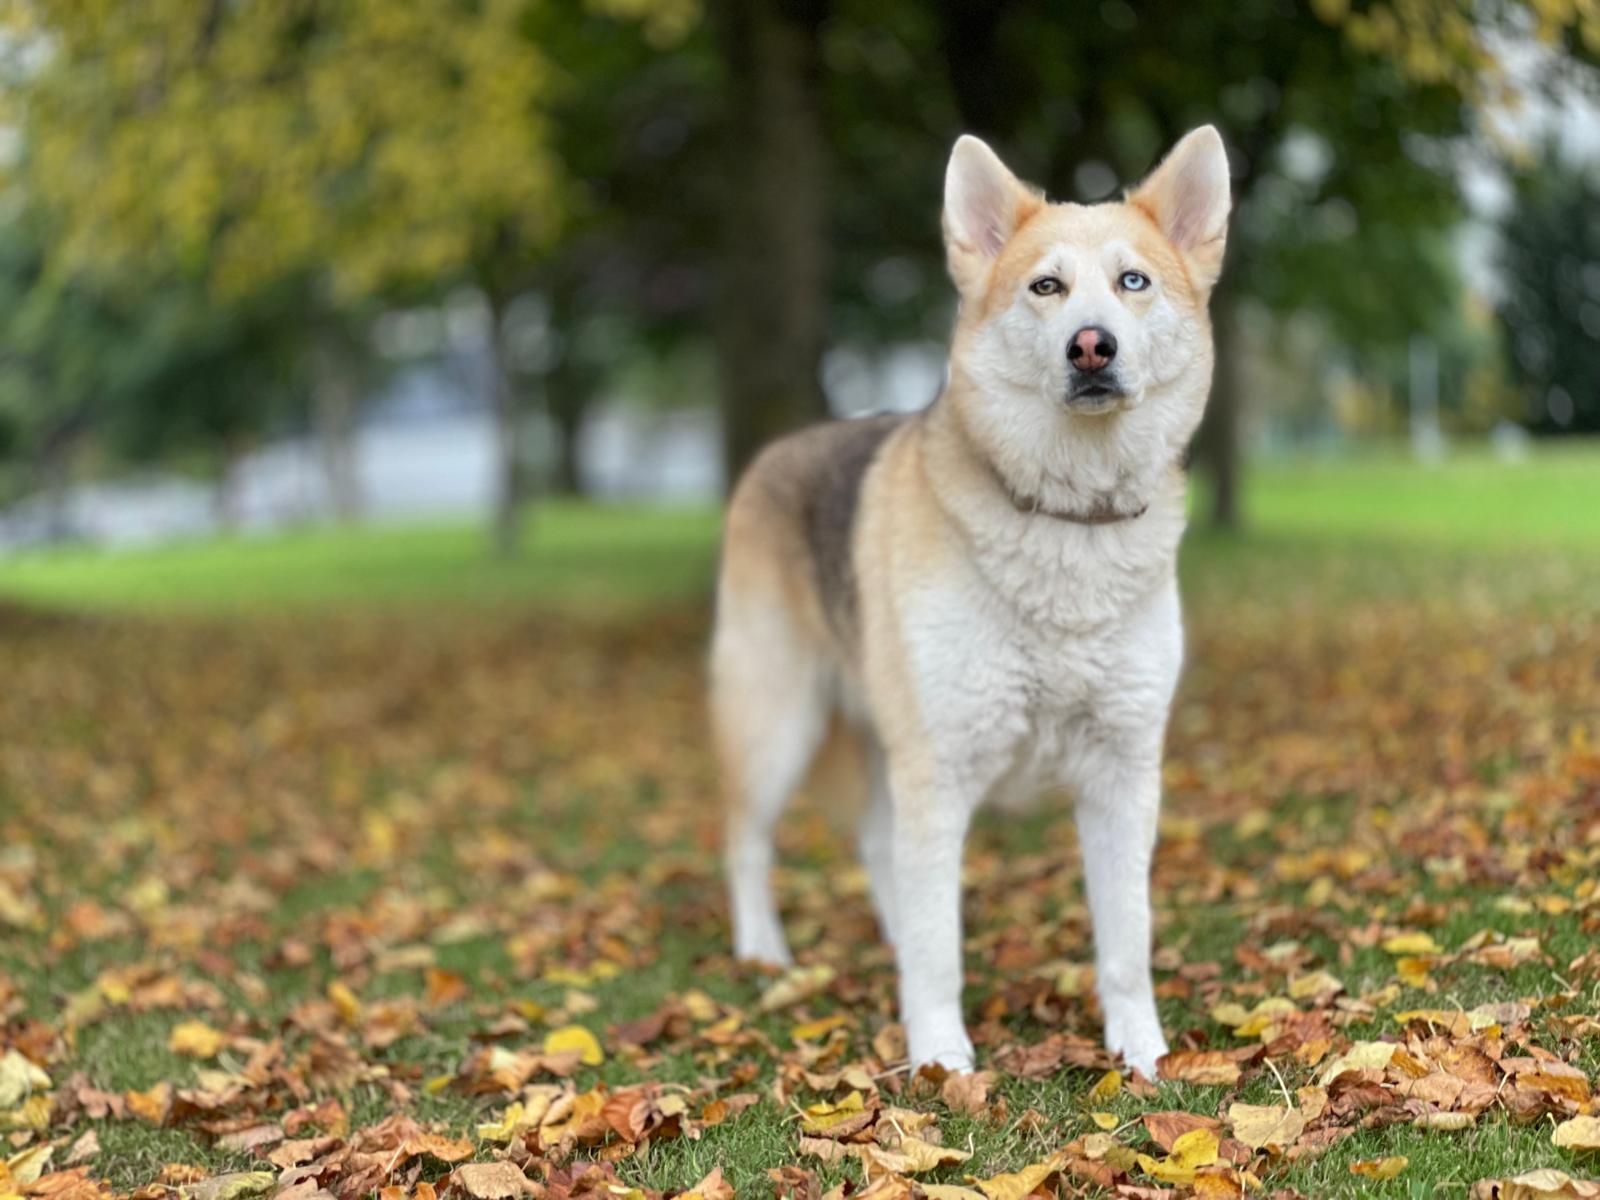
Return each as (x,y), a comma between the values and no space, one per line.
(1137,1036)
(1141,1049)
(769,951)
(952,1051)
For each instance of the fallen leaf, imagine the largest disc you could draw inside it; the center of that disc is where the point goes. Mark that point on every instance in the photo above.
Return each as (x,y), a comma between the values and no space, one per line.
(1208,1067)
(911,1157)
(235,1185)
(1195,1149)
(27,1165)
(1580,1133)
(712,1187)
(18,1077)
(569,1038)
(1104,1091)
(795,985)
(491,1181)
(1544,1184)
(1360,1057)
(1412,943)
(1017,1184)
(196,1039)
(1266,1126)
(1380,1168)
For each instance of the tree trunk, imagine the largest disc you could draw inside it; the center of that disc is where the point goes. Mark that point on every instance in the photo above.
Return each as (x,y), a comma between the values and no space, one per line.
(55,476)
(771,313)
(226,501)
(336,396)
(507,517)
(567,399)
(1217,448)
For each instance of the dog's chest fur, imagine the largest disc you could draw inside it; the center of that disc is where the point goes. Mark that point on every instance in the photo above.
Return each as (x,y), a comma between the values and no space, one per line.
(1047,637)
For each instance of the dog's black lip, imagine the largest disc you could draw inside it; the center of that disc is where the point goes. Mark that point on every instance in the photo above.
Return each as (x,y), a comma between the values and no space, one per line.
(1094,391)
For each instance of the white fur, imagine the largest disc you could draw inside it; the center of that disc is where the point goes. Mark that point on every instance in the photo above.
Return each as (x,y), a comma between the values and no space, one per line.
(1038,653)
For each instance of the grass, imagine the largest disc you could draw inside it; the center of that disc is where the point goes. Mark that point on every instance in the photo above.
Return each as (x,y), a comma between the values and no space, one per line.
(575,555)
(515,788)
(1370,516)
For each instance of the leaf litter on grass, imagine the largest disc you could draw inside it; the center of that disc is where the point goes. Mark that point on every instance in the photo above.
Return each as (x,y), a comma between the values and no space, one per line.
(390,890)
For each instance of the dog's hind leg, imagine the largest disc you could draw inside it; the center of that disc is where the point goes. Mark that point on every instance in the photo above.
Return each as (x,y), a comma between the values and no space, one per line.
(769,704)
(875,840)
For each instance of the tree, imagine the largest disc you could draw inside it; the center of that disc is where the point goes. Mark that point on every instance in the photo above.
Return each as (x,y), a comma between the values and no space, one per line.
(1550,260)
(1080,99)
(153,370)
(365,147)
(771,310)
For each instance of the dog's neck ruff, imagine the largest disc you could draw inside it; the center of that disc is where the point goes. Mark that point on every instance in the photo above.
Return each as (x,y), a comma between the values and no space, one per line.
(1103,513)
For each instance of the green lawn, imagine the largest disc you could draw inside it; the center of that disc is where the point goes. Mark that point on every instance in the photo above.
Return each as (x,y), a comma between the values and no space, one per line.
(1384,509)
(470,802)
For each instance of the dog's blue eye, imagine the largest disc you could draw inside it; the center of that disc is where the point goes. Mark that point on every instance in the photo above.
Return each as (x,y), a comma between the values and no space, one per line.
(1046,285)
(1134,281)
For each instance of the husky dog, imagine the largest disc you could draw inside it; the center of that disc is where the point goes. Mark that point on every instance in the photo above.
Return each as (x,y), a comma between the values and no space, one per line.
(985,591)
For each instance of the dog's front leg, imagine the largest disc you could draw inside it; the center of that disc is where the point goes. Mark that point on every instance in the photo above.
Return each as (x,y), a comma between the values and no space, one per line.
(1119,797)
(930,828)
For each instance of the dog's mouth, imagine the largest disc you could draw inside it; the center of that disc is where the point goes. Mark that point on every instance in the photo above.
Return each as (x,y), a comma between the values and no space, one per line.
(1095,395)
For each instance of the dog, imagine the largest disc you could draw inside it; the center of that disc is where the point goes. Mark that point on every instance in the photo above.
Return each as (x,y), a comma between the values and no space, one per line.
(985,592)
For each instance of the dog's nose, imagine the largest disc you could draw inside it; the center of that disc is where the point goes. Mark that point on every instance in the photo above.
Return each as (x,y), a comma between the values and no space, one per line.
(1092,348)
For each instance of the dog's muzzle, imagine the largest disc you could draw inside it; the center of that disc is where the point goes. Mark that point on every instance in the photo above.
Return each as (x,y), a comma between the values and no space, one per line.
(1100,392)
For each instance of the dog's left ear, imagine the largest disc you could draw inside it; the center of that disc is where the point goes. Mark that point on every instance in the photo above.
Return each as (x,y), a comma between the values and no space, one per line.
(1188,197)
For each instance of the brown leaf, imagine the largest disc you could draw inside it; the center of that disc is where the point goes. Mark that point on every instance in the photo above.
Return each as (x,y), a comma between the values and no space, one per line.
(491,1181)
(1546,1184)
(1209,1067)
(967,1092)
(1165,1128)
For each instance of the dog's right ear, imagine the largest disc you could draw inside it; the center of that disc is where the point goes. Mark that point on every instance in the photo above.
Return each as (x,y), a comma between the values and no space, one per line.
(984,203)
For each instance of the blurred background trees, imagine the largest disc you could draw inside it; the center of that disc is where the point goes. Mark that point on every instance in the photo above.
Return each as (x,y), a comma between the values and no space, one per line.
(226,224)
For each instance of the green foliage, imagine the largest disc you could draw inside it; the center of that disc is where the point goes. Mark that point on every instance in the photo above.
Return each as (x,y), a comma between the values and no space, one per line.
(249,143)
(1550,257)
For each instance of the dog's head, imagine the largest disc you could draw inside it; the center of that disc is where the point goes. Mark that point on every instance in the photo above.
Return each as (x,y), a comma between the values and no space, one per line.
(1083,314)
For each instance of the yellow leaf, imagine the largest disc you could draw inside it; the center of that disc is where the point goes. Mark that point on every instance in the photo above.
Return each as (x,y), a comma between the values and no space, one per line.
(345,1001)
(1413,972)
(795,985)
(197,1040)
(1106,1089)
(1315,984)
(1017,1184)
(1359,1057)
(505,1128)
(33,1113)
(575,1037)
(1105,1120)
(233,1186)
(1380,1168)
(26,1166)
(1579,1133)
(911,1157)
(1412,943)
(1449,1122)
(19,1077)
(1193,1150)
(818,1028)
(824,1115)
(1261,1126)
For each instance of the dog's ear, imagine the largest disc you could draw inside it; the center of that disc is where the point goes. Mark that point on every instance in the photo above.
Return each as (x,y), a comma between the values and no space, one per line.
(984,203)
(1188,197)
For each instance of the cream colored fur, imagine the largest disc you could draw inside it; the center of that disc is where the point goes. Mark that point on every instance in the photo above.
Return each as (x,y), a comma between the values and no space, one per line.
(995,653)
